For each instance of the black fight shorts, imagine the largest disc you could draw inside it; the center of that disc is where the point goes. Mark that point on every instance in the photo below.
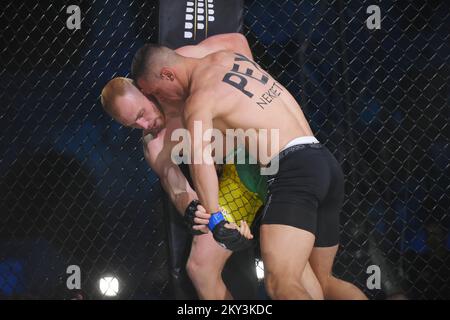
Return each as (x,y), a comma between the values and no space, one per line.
(307,192)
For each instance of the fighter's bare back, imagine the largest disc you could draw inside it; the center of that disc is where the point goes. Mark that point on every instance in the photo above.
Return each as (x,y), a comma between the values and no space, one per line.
(240,95)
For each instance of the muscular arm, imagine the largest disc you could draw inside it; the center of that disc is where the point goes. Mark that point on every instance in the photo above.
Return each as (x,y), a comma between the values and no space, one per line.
(203,174)
(171,177)
(199,110)
(230,41)
(173,181)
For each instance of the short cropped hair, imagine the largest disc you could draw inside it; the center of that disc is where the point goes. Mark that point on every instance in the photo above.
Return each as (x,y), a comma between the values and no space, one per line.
(116,87)
(147,58)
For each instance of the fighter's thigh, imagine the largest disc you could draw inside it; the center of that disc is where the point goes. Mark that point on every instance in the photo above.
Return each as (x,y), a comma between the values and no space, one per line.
(206,253)
(321,260)
(285,249)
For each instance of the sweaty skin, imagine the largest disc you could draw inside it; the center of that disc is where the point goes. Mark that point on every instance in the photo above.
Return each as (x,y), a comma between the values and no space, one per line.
(157,150)
(206,259)
(228,90)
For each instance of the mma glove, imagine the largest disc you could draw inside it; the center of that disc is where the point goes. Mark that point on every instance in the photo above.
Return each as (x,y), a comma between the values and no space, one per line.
(230,239)
(189,215)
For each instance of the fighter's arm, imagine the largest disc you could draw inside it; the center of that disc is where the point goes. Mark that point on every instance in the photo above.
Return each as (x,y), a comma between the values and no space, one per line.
(172,179)
(198,112)
(235,42)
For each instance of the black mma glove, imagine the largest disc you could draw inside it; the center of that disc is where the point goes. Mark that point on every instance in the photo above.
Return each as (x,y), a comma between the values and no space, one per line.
(230,239)
(189,215)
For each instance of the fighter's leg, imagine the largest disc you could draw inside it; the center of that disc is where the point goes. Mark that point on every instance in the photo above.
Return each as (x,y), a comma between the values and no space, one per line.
(204,267)
(311,283)
(308,279)
(327,239)
(321,261)
(207,258)
(285,251)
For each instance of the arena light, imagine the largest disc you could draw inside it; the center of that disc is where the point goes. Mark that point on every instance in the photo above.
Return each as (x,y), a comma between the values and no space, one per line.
(109,286)
(259,269)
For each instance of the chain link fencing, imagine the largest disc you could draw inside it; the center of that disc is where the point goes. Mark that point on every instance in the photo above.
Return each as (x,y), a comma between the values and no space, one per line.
(76,190)
(379,100)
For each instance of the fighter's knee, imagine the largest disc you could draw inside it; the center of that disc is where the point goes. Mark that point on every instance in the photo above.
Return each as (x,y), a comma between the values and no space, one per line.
(199,269)
(283,288)
(272,286)
(325,283)
(194,269)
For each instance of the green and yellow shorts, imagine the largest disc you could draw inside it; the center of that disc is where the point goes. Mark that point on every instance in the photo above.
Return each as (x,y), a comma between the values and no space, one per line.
(242,192)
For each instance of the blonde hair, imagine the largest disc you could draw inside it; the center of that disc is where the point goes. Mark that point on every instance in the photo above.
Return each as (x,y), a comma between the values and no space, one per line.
(116,87)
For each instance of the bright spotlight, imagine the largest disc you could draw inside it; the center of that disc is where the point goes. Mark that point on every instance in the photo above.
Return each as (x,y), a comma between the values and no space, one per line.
(259,269)
(109,286)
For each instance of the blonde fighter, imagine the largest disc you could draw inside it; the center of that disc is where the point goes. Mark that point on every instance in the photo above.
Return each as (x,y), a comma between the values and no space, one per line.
(300,222)
(127,105)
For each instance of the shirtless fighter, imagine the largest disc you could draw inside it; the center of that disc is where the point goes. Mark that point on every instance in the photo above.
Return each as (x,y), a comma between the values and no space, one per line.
(125,103)
(227,90)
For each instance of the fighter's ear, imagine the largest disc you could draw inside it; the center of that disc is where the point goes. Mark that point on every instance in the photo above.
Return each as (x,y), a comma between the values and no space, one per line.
(167,74)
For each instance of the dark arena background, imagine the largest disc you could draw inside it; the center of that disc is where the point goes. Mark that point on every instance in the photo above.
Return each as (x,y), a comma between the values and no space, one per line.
(76,191)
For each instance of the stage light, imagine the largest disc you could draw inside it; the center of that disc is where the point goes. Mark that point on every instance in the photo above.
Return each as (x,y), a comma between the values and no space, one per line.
(259,269)
(109,286)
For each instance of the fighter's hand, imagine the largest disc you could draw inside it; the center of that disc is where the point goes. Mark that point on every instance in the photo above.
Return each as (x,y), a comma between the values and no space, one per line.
(243,229)
(196,218)
(201,219)
(232,237)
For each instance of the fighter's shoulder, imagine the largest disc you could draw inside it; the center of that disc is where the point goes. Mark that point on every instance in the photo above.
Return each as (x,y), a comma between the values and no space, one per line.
(226,41)
(153,141)
(199,98)
(225,38)
(212,68)
(156,146)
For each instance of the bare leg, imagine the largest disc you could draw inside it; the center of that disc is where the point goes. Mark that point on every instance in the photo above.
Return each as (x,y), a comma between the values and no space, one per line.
(321,261)
(285,251)
(204,267)
(311,283)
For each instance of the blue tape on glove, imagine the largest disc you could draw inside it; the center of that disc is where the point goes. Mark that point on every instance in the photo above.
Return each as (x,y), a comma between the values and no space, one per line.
(215,219)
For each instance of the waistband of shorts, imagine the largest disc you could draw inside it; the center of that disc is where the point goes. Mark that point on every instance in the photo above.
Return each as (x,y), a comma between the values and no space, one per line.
(301,140)
(296,144)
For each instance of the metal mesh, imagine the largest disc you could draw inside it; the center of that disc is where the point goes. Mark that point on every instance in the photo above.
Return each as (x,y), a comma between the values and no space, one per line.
(75,189)
(379,100)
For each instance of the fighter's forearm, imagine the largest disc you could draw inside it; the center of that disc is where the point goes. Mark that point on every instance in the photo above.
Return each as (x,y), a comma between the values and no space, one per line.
(203,172)
(180,198)
(172,179)
(177,187)
(207,185)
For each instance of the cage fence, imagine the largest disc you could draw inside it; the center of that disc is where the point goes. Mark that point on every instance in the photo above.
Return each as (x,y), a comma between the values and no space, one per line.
(76,190)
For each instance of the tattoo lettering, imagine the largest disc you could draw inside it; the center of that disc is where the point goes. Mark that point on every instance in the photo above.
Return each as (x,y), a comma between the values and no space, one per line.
(239,79)
(270,95)
(239,84)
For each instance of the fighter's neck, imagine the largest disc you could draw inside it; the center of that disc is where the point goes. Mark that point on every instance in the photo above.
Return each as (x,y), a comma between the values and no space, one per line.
(173,109)
(186,69)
